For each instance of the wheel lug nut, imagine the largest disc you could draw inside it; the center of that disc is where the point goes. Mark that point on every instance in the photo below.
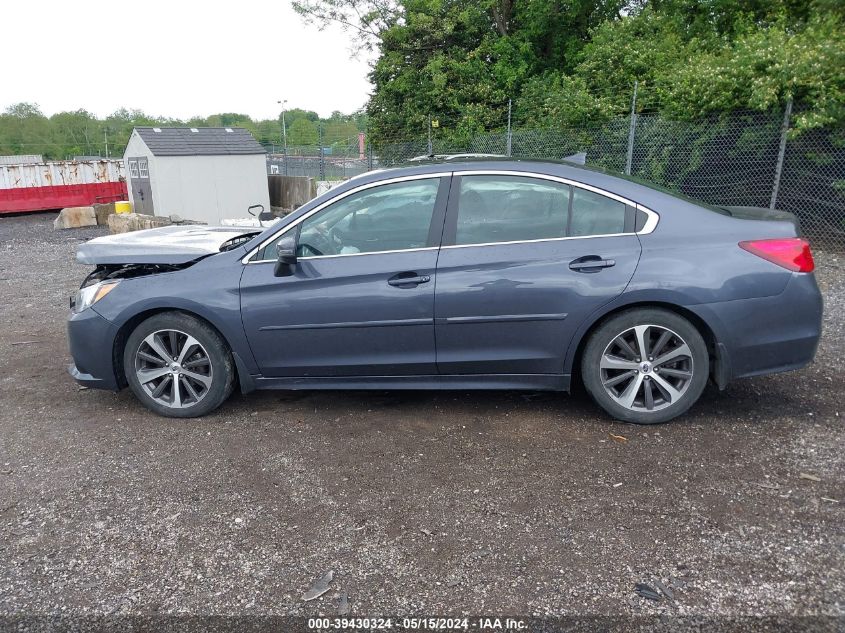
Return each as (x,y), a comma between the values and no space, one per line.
(651,357)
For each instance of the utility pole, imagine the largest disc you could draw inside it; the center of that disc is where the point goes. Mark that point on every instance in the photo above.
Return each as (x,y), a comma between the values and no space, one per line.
(430,148)
(509,137)
(633,126)
(106,137)
(784,130)
(284,135)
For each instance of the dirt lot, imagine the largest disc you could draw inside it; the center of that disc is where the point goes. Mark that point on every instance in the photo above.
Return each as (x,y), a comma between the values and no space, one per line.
(420,503)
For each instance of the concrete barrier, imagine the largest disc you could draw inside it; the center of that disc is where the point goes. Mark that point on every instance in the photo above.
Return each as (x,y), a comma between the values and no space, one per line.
(103,211)
(126,222)
(75,217)
(325,185)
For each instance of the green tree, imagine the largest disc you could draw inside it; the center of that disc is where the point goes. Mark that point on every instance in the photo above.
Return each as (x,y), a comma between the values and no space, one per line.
(302,132)
(25,130)
(77,133)
(567,62)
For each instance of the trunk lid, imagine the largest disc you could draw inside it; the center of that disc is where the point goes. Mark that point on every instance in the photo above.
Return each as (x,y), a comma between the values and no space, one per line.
(763,213)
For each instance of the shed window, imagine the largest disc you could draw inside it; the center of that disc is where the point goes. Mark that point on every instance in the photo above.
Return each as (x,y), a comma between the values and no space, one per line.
(143,168)
(133,168)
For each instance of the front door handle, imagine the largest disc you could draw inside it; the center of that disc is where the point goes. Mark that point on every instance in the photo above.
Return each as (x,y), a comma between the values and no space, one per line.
(590,264)
(408,280)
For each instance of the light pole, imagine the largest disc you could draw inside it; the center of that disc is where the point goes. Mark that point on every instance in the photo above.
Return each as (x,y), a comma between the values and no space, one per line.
(284,135)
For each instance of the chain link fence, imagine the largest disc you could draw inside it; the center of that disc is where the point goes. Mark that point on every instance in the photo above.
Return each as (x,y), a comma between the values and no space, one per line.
(741,159)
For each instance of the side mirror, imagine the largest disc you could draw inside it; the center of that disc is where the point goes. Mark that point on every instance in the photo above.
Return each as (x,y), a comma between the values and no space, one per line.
(286,249)
(266,216)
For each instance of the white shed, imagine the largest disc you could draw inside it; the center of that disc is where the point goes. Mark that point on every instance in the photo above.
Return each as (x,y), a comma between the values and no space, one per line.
(204,174)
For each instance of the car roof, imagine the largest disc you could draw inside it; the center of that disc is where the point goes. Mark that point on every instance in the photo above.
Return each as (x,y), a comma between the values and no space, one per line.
(624,186)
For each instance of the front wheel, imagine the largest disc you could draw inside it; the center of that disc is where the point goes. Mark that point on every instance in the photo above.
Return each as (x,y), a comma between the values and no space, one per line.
(178,366)
(645,365)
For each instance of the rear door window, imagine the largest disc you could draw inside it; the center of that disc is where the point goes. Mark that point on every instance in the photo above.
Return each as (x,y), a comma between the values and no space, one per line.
(595,214)
(510,208)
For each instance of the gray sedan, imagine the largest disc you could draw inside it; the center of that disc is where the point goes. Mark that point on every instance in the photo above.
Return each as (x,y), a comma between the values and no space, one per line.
(483,274)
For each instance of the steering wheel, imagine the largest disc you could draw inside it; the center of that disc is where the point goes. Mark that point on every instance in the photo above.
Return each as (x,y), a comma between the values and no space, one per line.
(336,236)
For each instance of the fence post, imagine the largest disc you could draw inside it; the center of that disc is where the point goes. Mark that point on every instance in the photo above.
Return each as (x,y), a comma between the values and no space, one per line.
(430,149)
(509,137)
(631,131)
(322,161)
(784,129)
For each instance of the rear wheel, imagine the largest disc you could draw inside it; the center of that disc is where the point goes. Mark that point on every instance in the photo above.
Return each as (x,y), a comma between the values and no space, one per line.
(645,365)
(178,366)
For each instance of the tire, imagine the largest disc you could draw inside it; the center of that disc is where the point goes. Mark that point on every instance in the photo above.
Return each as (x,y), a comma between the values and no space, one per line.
(645,391)
(198,360)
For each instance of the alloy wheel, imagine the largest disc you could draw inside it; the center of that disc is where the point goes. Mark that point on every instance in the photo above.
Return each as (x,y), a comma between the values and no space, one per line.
(173,368)
(646,368)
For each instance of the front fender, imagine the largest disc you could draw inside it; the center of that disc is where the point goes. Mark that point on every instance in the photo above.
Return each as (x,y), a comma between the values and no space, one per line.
(209,289)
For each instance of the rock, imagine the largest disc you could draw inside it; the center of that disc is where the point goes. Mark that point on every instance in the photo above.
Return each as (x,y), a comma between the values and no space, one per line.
(646,591)
(126,222)
(75,217)
(319,587)
(103,211)
(343,604)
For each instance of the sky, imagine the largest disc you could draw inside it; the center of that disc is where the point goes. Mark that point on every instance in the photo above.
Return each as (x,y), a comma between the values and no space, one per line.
(178,58)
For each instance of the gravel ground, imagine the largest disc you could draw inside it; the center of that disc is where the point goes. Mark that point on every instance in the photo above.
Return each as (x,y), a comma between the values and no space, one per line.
(420,503)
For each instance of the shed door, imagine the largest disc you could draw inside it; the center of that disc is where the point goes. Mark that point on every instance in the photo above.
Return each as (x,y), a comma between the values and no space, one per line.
(139,180)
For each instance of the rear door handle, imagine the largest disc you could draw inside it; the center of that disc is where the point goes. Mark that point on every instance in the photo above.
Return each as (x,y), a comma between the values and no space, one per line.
(590,264)
(408,280)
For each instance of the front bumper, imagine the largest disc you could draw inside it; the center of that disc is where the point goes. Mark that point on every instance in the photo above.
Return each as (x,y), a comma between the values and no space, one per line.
(91,343)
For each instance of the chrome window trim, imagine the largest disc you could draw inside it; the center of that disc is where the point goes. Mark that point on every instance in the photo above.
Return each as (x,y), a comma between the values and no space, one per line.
(651,222)
(530,174)
(318,208)
(542,239)
(401,250)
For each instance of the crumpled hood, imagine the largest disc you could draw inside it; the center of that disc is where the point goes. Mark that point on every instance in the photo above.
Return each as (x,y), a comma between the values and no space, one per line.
(164,245)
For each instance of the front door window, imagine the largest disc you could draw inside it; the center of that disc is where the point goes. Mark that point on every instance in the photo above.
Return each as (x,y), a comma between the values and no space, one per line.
(393,217)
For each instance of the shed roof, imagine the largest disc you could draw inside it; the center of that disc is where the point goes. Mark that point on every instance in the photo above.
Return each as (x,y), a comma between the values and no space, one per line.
(199,141)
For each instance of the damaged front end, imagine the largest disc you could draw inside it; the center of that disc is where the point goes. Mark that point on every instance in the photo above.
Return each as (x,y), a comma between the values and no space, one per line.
(145,253)
(105,278)
(151,252)
(109,272)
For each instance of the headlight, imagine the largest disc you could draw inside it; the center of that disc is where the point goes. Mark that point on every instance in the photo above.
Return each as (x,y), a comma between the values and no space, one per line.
(89,295)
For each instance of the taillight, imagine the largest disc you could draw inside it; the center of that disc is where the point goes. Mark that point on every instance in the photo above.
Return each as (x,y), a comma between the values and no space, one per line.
(792,253)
